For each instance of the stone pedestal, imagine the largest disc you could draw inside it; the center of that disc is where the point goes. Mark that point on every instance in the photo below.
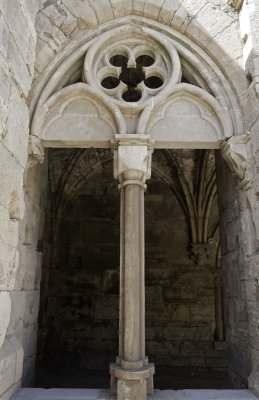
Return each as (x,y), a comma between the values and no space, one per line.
(132,375)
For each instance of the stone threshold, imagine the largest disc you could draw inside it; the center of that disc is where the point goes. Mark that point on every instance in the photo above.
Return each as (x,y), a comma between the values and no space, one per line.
(101,394)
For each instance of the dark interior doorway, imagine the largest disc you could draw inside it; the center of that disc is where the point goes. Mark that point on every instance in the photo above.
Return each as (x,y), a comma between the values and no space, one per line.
(78,325)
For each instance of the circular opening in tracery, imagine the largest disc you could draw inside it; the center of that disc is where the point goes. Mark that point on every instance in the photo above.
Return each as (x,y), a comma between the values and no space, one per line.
(145,61)
(119,61)
(153,82)
(132,95)
(110,82)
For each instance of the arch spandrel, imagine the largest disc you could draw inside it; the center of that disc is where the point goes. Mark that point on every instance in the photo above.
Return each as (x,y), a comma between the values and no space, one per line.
(188,118)
(78,117)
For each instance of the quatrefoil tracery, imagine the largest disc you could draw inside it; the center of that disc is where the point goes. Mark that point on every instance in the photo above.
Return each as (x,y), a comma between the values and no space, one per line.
(132,68)
(136,76)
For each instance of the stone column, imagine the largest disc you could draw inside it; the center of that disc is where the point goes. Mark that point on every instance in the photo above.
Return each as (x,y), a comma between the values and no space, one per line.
(132,375)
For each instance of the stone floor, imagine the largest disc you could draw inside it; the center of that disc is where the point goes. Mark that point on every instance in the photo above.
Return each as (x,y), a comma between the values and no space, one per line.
(177,378)
(102,394)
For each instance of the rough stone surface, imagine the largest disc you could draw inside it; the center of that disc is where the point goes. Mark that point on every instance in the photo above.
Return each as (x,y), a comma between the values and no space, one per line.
(5,311)
(17,57)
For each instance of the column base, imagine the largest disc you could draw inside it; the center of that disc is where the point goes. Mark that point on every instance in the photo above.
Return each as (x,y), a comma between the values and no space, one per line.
(132,384)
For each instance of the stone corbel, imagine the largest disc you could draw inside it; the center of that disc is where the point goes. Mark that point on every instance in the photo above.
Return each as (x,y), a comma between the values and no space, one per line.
(201,253)
(35,151)
(237,153)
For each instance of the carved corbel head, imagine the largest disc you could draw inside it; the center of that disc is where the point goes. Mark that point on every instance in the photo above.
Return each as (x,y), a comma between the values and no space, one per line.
(236,151)
(35,151)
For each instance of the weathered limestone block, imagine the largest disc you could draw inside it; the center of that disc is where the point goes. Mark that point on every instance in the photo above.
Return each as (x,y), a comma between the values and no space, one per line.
(207,312)
(85,14)
(18,310)
(138,6)
(13,389)
(17,127)
(44,55)
(152,8)
(7,366)
(29,271)
(49,32)
(252,107)
(249,242)
(9,261)
(14,59)
(5,81)
(63,18)
(216,20)
(16,208)
(3,106)
(118,8)
(11,363)
(168,10)
(8,228)
(186,10)
(102,10)
(11,177)
(24,314)
(30,341)
(253,382)
(12,12)
(230,42)
(5,310)
(56,13)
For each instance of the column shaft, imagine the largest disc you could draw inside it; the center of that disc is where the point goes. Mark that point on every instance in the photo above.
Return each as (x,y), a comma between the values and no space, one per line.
(142,274)
(122,273)
(132,376)
(133,277)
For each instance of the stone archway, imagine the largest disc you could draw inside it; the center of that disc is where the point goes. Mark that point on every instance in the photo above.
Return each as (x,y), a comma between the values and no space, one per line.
(124,64)
(209,91)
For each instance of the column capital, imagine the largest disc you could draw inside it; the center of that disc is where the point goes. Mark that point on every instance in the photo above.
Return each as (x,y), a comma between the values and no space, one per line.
(132,158)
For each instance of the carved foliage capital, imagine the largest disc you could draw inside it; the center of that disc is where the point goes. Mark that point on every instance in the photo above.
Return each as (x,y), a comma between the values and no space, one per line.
(236,151)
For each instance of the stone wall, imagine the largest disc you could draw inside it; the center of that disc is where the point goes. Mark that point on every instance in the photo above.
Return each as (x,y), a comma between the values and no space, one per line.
(249,201)
(234,277)
(18,308)
(79,313)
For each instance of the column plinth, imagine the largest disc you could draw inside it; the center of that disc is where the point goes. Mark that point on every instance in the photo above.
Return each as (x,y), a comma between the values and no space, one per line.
(132,375)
